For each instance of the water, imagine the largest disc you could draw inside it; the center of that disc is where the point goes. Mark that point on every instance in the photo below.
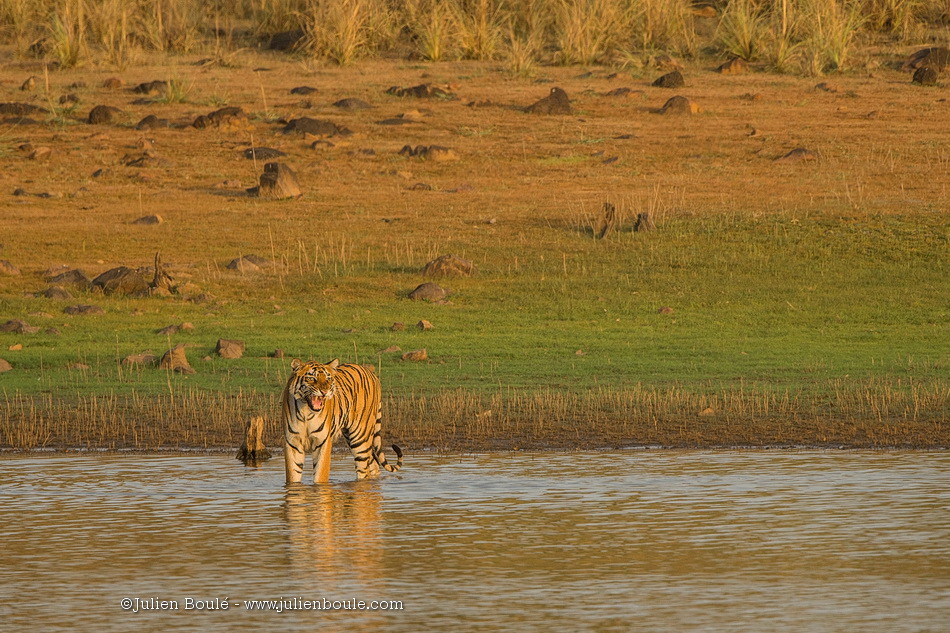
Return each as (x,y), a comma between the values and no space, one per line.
(629,541)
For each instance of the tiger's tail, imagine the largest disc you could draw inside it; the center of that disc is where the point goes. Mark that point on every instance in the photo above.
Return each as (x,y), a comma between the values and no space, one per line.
(381,459)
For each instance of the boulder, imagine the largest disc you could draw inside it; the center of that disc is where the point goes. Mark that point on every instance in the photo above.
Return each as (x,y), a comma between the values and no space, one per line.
(422,91)
(679,105)
(416,355)
(672,79)
(74,277)
(557,102)
(5,366)
(248,263)
(799,154)
(278,182)
(449,266)
(18,326)
(83,310)
(175,360)
(428,292)
(315,127)
(123,280)
(424,325)
(227,348)
(103,114)
(925,76)
(936,57)
(735,66)
(57,293)
(146,358)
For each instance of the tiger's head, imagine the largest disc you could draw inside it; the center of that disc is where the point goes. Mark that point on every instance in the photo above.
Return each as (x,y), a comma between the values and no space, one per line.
(313,382)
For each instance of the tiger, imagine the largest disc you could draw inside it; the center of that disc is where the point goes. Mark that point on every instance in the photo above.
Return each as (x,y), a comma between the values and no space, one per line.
(323,401)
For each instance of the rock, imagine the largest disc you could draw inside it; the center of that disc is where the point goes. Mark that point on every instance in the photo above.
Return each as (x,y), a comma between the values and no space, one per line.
(422,91)
(40,154)
(175,360)
(227,348)
(18,326)
(263,153)
(557,102)
(248,263)
(149,220)
(146,358)
(352,104)
(7,268)
(57,293)
(277,353)
(679,105)
(113,83)
(74,277)
(278,182)
(798,154)
(936,57)
(735,66)
(424,325)
(429,152)
(672,79)
(123,280)
(201,122)
(397,327)
(428,292)
(5,365)
(29,85)
(665,310)
(69,99)
(103,114)
(416,355)
(708,411)
(824,86)
(16,347)
(925,76)
(227,115)
(286,40)
(151,122)
(21,109)
(316,127)
(303,90)
(449,266)
(83,310)
(152,88)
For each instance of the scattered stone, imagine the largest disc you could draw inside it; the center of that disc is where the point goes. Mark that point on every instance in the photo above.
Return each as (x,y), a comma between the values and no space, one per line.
(248,263)
(708,411)
(68,99)
(735,66)
(352,104)
(397,326)
(429,152)
(925,76)
(103,114)
(424,325)
(429,292)
(175,360)
(679,105)
(201,122)
(29,85)
(226,115)
(21,109)
(253,451)
(277,353)
(392,349)
(7,268)
(113,83)
(644,223)
(83,310)
(315,127)
(936,57)
(168,330)
(57,293)
(449,266)
(286,40)
(77,366)
(16,347)
(621,92)
(416,355)
(18,326)
(826,87)
(422,91)
(798,154)
(149,219)
(672,79)
(40,154)
(227,348)
(5,365)
(420,186)
(665,310)
(123,280)
(146,358)
(278,182)
(557,102)
(151,122)
(74,277)
(151,88)
(263,153)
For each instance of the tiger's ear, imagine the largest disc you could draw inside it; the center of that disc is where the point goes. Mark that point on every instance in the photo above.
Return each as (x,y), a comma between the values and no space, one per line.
(296,364)
(334,363)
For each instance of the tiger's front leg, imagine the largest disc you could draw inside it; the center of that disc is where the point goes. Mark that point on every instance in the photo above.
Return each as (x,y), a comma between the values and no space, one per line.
(321,462)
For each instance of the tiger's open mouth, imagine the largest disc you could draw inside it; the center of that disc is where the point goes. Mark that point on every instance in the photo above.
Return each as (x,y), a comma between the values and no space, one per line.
(315,402)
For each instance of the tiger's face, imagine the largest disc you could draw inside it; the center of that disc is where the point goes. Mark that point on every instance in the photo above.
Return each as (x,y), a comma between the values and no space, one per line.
(314,382)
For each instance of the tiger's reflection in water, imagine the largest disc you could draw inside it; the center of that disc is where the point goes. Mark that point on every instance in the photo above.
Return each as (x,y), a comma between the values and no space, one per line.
(335,537)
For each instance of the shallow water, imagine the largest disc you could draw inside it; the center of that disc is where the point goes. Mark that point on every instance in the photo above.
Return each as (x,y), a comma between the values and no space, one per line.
(639,540)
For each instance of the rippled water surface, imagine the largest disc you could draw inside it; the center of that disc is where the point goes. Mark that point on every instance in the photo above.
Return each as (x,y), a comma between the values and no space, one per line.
(642,540)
